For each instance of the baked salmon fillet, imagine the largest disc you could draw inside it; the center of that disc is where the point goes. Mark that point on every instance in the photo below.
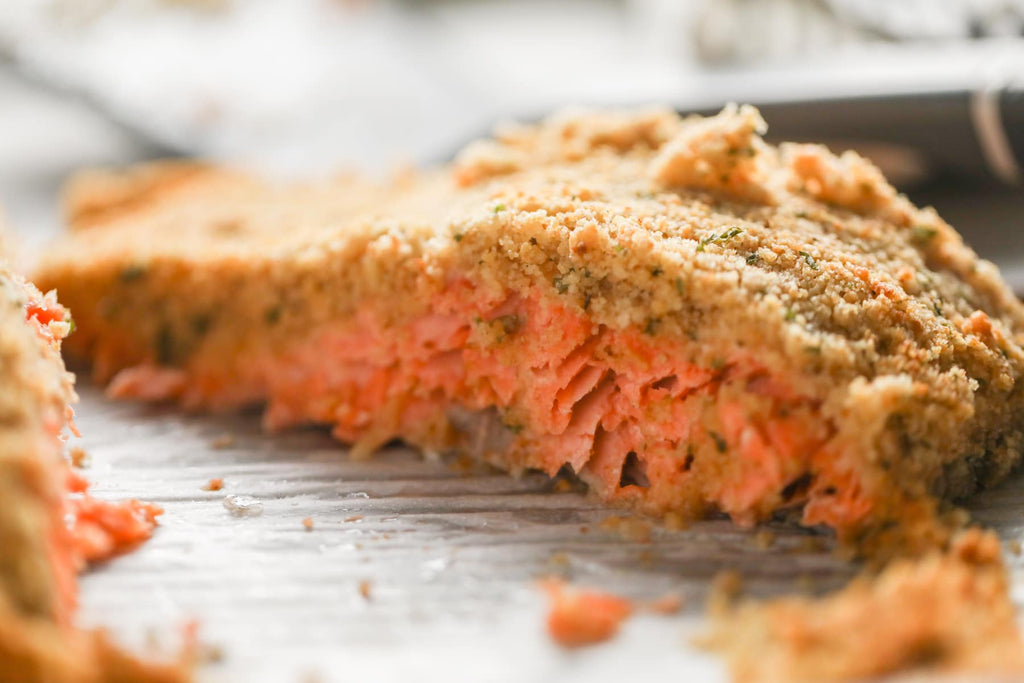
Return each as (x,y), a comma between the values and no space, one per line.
(685,317)
(49,526)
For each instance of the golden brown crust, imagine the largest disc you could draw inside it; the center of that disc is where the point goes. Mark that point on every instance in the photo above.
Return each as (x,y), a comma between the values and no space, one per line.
(35,391)
(683,228)
(946,613)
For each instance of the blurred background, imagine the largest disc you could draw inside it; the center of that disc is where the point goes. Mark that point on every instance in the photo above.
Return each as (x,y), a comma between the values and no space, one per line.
(931,89)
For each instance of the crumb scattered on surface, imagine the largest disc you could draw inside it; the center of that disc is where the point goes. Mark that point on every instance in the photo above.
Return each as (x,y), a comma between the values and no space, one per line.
(667,604)
(725,588)
(947,613)
(215,484)
(1014,547)
(366,589)
(308,523)
(353,518)
(764,539)
(583,617)
(811,544)
(243,506)
(223,441)
(674,521)
(559,560)
(79,457)
(629,528)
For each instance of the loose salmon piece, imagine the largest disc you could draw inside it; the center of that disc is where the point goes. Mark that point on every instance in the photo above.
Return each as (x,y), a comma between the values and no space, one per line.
(687,318)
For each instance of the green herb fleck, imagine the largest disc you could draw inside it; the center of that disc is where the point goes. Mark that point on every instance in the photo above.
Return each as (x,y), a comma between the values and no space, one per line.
(71,325)
(679,286)
(510,323)
(533,240)
(132,273)
(165,346)
(809,260)
(272,315)
(620,249)
(498,208)
(656,271)
(813,349)
(561,285)
(717,363)
(201,323)
(586,301)
(937,309)
(513,427)
(790,315)
(923,233)
(651,326)
(457,237)
(714,237)
(720,442)
(753,258)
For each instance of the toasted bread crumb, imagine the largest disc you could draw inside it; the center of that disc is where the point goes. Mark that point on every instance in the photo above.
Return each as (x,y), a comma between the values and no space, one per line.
(365,589)
(629,528)
(223,441)
(764,539)
(949,612)
(308,523)
(215,484)
(353,518)
(79,457)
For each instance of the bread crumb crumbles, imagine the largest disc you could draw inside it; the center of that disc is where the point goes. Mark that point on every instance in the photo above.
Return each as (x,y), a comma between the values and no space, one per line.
(215,484)
(79,457)
(307,523)
(946,613)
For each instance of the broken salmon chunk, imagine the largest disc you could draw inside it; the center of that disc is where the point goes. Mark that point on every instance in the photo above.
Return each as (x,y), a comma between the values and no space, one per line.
(687,318)
(50,527)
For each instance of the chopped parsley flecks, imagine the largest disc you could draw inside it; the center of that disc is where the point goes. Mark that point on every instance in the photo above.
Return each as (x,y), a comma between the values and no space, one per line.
(753,258)
(923,233)
(510,323)
(132,273)
(272,315)
(720,442)
(165,351)
(498,208)
(809,260)
(716,237)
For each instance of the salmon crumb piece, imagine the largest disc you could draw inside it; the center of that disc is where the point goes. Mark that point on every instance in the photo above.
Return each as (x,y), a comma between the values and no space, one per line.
(578,618)
(353,518)
(366,589)
(308,523)
(215,484)
(949,612)
(667,604)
